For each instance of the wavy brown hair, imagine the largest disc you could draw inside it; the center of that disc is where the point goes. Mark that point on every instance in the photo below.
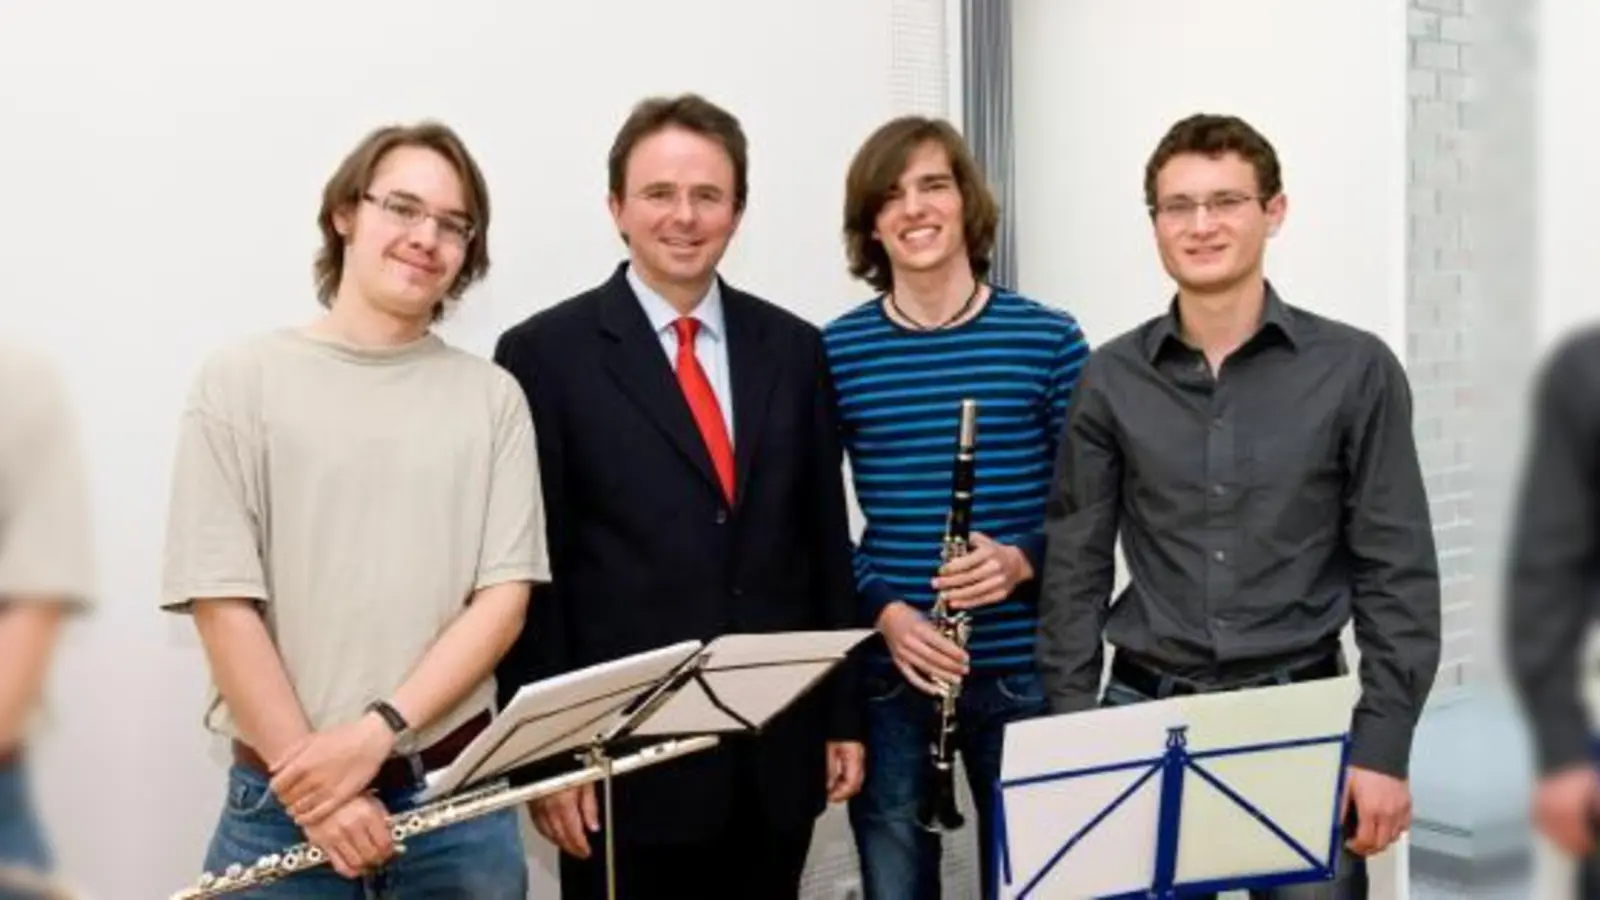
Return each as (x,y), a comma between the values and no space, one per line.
(354,176)
(875,174)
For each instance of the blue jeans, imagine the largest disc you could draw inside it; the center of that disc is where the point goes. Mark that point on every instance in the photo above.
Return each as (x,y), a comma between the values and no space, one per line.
(1350,872)
(22,843)
(479,859)
(899,860)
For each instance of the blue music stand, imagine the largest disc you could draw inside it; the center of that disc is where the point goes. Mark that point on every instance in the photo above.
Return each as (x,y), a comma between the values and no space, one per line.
(1169,771)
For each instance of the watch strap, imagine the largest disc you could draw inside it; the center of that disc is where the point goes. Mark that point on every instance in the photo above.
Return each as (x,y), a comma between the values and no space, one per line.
(391,716)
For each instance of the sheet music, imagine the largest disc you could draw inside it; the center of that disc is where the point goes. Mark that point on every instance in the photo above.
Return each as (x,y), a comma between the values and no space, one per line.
(1060,774)
(557,715)
(745,681)
(750,678)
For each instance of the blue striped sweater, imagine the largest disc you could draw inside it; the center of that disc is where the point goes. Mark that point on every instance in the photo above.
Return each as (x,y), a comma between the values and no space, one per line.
(899,393)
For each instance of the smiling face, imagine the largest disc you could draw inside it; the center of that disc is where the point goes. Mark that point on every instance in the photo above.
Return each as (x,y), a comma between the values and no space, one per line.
(920,224)
(406,238)
(1211,226)
(677,207)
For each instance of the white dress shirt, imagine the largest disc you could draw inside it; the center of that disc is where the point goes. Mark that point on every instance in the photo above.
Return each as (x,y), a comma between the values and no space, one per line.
(710,343)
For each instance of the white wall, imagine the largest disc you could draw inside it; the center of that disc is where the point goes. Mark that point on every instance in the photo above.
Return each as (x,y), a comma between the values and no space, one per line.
(162,167)
(1097,82)
(1569,264)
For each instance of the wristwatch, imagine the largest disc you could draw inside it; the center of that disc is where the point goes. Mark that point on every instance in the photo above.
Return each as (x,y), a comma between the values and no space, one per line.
(403,735)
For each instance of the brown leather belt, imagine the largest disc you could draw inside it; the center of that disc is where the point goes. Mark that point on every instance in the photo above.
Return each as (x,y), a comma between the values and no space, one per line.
(398,773)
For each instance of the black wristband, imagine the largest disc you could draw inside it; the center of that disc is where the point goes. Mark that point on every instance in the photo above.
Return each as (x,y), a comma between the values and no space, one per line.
(391,716)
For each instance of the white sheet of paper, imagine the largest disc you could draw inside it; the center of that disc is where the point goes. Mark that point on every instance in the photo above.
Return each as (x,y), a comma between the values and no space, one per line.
(756,676)
(557,715)
(1296,788)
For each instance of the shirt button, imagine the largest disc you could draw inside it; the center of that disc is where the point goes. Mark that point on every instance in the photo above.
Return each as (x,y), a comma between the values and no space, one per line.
(722,516)
(1218,490)
(1219,555)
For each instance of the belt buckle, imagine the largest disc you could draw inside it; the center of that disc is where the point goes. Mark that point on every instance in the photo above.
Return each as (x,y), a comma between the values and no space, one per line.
(1183,687)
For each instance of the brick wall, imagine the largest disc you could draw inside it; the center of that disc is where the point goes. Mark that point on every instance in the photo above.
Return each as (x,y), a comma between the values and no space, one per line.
(1506,132)
(1439,313)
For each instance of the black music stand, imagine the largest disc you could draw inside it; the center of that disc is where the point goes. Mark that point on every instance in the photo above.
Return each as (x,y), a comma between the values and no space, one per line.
(686,694)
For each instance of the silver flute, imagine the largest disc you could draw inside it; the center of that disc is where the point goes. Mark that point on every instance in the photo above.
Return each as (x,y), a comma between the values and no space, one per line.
(443,813)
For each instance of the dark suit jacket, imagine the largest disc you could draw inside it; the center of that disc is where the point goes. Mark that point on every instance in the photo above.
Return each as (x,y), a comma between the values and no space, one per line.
(645,551)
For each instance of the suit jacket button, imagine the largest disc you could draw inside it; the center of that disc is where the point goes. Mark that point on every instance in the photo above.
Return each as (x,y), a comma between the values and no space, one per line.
(722,516)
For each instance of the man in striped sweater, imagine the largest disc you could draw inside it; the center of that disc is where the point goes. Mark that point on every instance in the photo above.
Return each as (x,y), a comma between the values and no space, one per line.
(919,227)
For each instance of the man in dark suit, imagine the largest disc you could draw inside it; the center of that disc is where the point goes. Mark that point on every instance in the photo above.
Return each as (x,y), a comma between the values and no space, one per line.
(692,475)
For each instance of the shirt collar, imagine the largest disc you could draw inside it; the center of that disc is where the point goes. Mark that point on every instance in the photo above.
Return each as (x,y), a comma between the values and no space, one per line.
(662,314)
(1274,315)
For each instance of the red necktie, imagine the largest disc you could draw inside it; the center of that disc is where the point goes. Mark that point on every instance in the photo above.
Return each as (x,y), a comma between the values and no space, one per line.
(703,403)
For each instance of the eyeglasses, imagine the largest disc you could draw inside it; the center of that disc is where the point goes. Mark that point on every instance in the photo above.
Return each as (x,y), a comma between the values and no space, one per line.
(411,212)
(1182,209)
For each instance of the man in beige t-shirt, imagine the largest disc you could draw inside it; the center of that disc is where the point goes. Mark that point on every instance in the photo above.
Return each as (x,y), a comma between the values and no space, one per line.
(352,530)
(44,576)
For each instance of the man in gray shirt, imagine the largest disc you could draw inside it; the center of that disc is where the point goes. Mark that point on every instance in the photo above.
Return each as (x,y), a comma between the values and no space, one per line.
(1258,462)
(1554,588)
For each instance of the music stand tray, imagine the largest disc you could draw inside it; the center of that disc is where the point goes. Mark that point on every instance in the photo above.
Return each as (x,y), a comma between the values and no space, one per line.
(1190,795)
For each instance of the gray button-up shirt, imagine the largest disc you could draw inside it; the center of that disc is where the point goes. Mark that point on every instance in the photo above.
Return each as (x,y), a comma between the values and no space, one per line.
(1259,510)
(1554,571)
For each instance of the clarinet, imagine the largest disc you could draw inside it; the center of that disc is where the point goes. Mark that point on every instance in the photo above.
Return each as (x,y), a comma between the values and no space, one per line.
(939,811)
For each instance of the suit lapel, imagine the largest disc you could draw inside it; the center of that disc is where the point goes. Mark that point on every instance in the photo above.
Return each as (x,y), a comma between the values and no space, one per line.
(635,359)
(751,370)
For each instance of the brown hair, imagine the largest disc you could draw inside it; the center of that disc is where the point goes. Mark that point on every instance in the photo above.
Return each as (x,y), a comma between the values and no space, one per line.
(690,112)
(354,175)
(875,174)
(1212,136)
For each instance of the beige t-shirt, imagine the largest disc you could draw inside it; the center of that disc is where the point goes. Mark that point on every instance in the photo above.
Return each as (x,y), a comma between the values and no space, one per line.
(45,547)
(363,495)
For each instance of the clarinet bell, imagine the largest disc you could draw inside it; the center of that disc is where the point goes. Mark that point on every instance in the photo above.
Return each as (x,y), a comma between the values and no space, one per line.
(939,811)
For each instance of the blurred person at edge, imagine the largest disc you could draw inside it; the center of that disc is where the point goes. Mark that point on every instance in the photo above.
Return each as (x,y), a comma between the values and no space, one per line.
(354,528)
(1553,585)
(44,576)
(1313,513)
